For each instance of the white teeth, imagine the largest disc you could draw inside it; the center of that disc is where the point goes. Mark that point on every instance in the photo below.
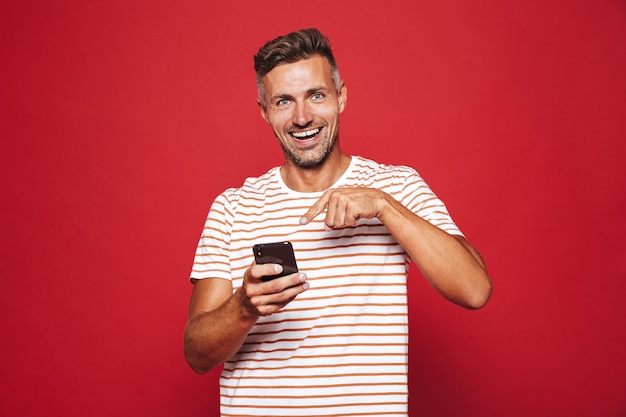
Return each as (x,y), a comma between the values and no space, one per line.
(302,135)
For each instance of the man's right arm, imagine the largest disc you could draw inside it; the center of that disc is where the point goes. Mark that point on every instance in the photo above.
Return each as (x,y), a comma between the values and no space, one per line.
(219,320)
(217,324)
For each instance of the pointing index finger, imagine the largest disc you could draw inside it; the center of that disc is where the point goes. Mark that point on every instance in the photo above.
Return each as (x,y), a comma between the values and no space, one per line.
(318,207)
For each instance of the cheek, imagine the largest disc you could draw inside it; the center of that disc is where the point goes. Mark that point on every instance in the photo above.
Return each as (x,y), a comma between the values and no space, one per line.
(331,116)
(279,120)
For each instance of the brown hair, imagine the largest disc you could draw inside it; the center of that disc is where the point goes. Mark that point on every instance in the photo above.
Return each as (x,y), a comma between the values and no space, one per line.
(290,48)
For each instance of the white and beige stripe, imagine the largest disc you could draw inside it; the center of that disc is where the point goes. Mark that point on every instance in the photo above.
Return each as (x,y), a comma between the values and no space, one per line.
(340,348)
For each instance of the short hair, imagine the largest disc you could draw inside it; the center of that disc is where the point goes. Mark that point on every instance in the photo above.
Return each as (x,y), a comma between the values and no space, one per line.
(290,48)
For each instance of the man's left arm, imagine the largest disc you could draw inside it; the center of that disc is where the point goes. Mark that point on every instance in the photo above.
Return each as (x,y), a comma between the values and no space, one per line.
(450,263)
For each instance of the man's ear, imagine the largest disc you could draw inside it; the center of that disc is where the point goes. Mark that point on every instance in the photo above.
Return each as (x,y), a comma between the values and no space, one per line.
(342,96)
(263,111)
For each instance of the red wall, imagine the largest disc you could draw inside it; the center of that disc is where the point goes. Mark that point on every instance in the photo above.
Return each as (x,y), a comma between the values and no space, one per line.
(121,121)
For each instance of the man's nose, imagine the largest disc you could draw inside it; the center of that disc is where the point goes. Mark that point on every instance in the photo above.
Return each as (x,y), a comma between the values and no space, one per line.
(302,115)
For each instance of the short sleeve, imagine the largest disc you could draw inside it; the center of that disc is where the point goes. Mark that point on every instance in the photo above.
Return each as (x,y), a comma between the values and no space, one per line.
(212,258)
(417,196)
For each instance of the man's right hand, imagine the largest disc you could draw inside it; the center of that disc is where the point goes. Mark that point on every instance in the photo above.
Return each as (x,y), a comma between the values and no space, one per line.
(265,298)
(219,320)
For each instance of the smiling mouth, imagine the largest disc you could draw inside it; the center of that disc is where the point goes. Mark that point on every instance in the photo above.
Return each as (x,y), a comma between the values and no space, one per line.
(307,134)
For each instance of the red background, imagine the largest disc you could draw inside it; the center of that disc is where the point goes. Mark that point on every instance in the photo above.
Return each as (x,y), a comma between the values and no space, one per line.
(121,121)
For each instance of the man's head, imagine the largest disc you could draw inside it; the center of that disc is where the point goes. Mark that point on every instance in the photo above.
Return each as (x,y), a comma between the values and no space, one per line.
(301,96)
(290,48)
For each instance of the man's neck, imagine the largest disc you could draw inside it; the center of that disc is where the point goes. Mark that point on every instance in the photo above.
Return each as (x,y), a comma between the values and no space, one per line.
(309,180)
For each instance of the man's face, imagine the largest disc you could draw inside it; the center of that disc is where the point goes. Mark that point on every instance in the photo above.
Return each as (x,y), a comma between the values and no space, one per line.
(302,107)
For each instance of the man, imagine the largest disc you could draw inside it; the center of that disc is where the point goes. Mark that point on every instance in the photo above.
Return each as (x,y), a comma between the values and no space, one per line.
(333,338)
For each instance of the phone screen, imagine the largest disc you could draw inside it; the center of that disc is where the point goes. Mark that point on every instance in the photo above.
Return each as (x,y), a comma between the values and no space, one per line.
(276,253)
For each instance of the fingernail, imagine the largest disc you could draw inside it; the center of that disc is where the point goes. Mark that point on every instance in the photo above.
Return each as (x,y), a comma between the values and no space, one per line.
(278,268)
(302,277)
(305,286)
(303,220)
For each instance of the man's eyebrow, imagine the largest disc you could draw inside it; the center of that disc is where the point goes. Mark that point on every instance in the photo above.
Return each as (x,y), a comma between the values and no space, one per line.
(281,97)
(316,89)
(308,92)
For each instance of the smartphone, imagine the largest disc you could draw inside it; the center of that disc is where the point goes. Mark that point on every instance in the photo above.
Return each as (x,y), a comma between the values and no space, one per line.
(276,253)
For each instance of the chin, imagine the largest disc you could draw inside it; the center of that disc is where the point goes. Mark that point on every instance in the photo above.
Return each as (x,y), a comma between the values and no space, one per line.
(308,163)
(311,158)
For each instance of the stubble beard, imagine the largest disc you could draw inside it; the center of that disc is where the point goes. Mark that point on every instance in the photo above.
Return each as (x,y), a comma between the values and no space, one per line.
(311,158)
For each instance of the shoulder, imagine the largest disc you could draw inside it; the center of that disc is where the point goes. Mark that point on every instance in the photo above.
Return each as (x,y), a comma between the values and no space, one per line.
(368,167)
(251,187)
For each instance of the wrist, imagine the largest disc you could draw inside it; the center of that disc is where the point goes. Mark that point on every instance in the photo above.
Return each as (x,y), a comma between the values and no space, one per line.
(386,206)
(245,309)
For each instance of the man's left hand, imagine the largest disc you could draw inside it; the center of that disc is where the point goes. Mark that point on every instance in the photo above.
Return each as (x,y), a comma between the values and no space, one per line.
(345,206)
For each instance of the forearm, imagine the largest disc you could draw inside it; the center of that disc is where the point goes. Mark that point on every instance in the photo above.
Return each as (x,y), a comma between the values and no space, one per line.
(451,264)
(212,337)
(219,320)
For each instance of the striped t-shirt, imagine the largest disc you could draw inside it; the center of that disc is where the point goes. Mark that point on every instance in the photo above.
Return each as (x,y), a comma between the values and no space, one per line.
(340,348)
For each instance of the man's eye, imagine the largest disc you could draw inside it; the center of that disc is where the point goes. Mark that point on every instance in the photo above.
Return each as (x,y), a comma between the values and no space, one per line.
(317,96)
(283,102)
